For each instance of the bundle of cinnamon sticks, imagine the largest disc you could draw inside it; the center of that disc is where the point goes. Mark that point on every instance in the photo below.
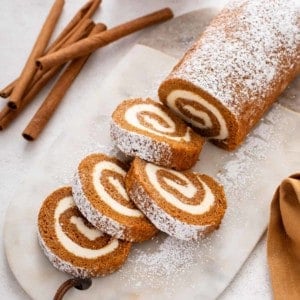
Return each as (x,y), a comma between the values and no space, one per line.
(69,51)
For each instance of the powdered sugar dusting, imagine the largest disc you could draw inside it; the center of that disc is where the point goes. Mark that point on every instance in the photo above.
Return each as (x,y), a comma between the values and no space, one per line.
(135,144)
(245,52)
(171,259)
(243,166)
(179,258)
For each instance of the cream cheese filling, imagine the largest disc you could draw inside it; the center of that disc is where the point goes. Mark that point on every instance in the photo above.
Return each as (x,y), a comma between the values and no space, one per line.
(173,97)
(70,245)
(91,233)
(188,190)
(105,196)
(131,117)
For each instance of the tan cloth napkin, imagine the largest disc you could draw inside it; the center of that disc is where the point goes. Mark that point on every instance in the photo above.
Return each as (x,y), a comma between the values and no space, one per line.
(283,247)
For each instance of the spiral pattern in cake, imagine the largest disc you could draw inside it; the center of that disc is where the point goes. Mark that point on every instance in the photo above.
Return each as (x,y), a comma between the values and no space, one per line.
(72,244)
(185,205)
(200,113)
(99,193)
(149,130)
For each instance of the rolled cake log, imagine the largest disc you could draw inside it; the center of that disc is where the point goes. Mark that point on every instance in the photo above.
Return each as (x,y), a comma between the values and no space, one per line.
(72,244)
(100,195)
(241,63)
(185,205)
(149,130)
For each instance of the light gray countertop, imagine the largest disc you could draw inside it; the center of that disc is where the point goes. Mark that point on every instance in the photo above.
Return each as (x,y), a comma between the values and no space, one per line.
(19,25)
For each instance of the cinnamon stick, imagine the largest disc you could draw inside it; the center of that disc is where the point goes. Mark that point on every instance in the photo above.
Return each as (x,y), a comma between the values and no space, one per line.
(38,50)
(50,104)
(88,45)
(71,28)
(82,15)
(90,12)
(7,115)
(81,31)
(71,25)
(6,92)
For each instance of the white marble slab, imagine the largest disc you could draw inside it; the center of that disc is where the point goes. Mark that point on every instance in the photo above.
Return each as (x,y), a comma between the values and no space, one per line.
(252,281)
(163,268)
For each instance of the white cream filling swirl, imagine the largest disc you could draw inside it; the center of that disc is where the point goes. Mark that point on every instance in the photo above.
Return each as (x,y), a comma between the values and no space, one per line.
(188,189)
(175,95)
(168,131)
(91,233)
(105,196)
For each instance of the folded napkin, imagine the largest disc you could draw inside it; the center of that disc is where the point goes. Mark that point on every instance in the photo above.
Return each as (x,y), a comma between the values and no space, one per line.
(283,247)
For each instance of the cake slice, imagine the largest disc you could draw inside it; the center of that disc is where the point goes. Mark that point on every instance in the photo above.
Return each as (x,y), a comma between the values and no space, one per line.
(99,193)
(72,244)
(149,130)
(185,205)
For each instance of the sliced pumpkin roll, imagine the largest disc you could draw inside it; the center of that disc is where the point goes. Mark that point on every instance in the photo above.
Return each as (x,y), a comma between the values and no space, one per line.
(99,192)
(149,130)
(185,205)
(72,244)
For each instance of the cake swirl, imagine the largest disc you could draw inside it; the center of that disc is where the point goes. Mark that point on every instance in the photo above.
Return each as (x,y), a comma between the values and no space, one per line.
(72,244)
(185,205)
(186,192)
(151,118)
(149,130)
(99,193)
(200,113)
(66,215)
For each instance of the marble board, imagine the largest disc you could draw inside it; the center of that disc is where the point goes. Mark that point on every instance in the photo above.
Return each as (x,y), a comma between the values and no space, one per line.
(163,268)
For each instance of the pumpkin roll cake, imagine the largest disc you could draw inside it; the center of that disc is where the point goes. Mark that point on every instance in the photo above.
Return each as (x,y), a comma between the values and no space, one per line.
(149,130)
(238,67)
(99,193)
(185,205)
(72,244)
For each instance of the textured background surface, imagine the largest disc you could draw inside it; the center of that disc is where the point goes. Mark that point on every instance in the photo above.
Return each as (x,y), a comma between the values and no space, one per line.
(19,25)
